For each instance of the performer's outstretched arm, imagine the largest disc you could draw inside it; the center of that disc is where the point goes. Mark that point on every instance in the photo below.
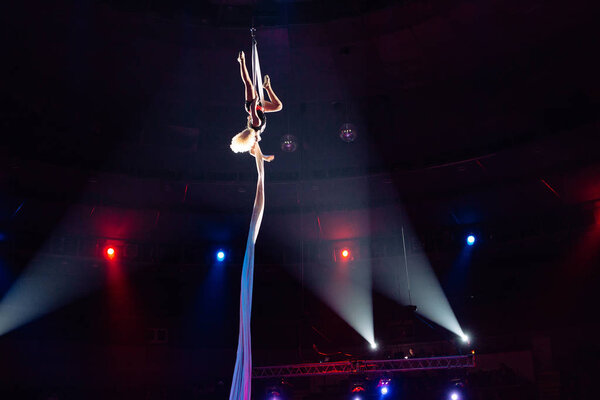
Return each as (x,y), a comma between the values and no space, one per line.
(259,200)
(257,153)
(274,104)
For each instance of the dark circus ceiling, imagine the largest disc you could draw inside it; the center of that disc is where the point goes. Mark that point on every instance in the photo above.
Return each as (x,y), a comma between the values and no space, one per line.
(465,111)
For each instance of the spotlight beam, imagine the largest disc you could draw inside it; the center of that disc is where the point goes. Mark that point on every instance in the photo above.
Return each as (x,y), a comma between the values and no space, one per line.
(391,279)
(45,286)
(346,288)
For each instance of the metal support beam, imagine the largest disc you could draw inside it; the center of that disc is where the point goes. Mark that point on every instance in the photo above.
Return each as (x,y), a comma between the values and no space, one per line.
(364,366)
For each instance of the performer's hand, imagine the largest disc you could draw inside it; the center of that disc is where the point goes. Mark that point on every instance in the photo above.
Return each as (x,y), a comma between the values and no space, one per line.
(256,152)
(267,82)
(241,56)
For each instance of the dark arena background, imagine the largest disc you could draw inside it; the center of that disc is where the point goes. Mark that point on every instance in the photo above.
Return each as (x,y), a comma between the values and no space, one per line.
(432,214)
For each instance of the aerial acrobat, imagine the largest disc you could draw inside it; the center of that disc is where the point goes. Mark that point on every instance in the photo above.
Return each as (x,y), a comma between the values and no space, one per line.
(257,107)
(247,140)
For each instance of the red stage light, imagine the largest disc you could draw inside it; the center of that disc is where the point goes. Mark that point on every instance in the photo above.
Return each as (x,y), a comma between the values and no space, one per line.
(345,253)
(110,253)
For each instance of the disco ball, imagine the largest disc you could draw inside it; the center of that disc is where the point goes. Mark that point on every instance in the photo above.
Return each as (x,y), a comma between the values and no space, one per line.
(348,132)
(289,143)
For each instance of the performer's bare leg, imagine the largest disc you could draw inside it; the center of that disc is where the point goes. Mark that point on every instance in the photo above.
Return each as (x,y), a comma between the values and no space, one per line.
(249,87)
(274,104)
(250,93)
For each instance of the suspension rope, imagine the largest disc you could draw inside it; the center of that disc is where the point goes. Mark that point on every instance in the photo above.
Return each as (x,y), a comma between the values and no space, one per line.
(406,267)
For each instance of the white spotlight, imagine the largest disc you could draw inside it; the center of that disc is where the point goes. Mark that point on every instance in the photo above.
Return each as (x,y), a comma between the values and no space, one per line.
(374,346)
(465,338)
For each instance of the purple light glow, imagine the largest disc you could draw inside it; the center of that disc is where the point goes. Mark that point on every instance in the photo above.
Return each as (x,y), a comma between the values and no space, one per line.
(289,144)
(348,132)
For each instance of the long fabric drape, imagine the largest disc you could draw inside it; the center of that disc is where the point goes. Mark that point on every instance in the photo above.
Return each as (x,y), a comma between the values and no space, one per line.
(242,375)
(256,74)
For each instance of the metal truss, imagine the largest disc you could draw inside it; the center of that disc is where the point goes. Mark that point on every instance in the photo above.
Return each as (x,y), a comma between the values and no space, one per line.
(364,366)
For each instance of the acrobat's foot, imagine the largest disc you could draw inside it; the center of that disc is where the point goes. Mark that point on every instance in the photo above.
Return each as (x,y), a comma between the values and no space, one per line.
(266,82)
(241,56)
(268,158)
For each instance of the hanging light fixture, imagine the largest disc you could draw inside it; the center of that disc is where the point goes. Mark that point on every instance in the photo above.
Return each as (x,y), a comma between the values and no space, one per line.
(348,132)
(289,144)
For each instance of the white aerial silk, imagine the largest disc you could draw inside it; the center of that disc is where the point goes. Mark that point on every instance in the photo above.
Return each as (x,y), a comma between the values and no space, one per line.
(242,375)
(256,75)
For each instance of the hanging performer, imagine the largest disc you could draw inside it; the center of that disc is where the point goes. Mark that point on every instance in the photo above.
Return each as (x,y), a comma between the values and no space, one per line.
(247,140)
(256,106)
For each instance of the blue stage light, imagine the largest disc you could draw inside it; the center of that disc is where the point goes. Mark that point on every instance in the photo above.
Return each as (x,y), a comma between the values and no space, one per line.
(384,386)
(220,256)
(470,240)
(274,393)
